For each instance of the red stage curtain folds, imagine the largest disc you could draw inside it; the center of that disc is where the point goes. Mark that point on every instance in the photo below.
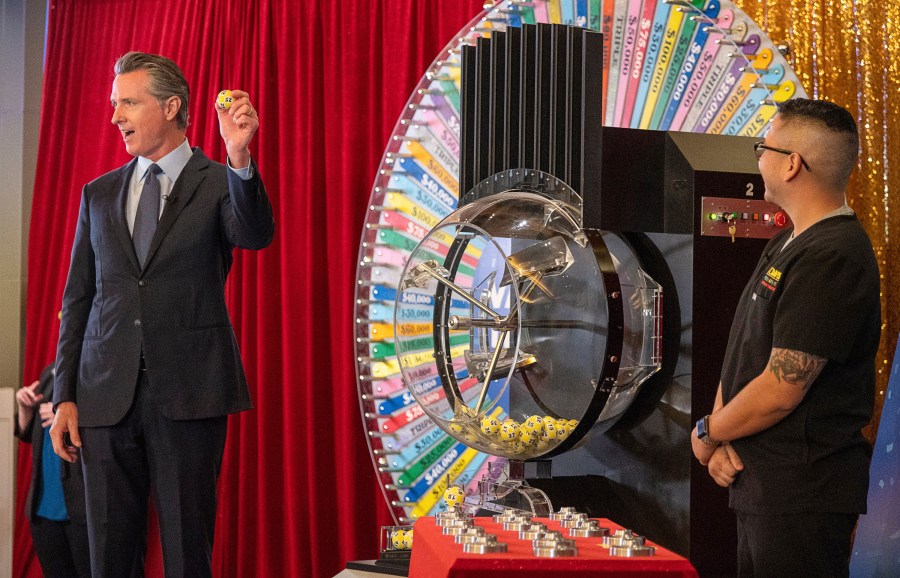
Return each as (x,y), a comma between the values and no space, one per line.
(298,495)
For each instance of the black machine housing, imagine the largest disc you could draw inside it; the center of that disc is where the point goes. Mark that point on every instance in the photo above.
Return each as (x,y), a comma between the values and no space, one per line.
(531,99)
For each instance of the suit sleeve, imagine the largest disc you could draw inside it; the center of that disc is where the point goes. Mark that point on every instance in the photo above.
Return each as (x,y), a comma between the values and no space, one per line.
(246,211)
(76,307)
(24,434)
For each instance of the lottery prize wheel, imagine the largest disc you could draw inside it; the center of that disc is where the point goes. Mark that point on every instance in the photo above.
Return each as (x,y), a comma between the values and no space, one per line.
(684,66)
(539,330)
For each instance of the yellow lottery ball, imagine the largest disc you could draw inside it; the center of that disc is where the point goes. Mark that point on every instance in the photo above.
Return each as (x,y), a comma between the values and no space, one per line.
(527,437)
(397,539)
(534,424)
(407,539)
(453,496)
(509,430)
(550,430)
(224,100)
(490,425)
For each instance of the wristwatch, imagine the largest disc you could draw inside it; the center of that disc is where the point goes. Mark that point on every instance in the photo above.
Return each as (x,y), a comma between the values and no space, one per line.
(703,431)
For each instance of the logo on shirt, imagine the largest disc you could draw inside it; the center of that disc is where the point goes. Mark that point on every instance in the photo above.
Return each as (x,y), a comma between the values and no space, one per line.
(769,282)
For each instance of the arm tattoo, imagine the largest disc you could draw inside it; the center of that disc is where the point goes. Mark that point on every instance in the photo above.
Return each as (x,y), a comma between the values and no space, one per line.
(796,367)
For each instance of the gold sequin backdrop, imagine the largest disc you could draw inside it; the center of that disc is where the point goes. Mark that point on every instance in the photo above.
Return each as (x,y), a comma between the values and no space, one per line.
(846,51)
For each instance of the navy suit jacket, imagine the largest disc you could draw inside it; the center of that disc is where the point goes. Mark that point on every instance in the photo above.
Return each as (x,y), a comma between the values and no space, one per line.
(173,309)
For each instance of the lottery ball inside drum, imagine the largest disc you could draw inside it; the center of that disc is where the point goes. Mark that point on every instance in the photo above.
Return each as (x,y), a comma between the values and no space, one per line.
(453,496)
(550,430)
(490,425)
(509,431)
(224,100)
(534,424)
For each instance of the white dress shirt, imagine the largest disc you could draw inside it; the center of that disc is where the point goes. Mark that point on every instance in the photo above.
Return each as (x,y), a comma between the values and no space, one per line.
(172,164)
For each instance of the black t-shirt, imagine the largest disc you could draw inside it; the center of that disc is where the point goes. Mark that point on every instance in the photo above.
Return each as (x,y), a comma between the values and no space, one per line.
(819,295)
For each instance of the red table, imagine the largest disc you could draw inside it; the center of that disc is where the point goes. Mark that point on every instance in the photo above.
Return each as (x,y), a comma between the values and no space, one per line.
(434,555)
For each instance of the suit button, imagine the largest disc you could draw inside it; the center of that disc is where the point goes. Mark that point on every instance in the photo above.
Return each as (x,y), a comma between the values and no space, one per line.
(142,283)
(137,322)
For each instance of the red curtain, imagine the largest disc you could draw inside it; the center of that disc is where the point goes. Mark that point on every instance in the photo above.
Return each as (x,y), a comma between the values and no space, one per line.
(298,494)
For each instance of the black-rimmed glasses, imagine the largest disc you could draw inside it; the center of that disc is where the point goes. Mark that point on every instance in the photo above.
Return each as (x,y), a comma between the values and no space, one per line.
(759,147)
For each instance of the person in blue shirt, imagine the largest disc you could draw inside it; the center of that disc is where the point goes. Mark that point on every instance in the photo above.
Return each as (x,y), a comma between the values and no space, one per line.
(55,503)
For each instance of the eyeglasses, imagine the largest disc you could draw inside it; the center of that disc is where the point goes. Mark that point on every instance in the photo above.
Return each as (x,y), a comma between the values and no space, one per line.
(760,147)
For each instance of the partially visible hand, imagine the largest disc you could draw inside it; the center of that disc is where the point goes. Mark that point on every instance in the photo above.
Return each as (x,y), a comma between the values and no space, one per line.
(66,422)
(702,451)
(725,465)
(27,396)
(237,125)
(46,413)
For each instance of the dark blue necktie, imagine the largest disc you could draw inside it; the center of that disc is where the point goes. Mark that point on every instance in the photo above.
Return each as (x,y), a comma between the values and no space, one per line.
(147,214)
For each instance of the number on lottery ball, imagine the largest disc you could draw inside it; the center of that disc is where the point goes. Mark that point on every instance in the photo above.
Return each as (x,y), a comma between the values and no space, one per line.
(224,100)
(453,496)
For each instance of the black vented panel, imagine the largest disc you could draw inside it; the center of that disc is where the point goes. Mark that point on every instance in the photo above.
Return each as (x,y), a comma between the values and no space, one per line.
(530,98)
(512,92)
(497,98)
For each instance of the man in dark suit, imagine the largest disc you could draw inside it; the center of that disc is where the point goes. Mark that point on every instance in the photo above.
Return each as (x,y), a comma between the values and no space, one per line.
(55,503)
(147,363)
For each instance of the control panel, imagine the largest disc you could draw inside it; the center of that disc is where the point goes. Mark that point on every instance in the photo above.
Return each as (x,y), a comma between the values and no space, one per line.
(741,218)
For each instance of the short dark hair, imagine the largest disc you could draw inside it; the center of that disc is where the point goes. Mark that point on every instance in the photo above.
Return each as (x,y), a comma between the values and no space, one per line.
(166,79)
(833,117)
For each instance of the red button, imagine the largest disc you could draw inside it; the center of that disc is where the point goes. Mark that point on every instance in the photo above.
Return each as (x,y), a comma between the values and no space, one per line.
(780,219)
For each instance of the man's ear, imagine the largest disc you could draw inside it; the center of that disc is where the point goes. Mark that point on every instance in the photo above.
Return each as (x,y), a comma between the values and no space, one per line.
(172,106)
(794,167)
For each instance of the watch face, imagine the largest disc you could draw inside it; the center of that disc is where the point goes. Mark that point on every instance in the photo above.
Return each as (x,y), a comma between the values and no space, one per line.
(702,428)
(726,79)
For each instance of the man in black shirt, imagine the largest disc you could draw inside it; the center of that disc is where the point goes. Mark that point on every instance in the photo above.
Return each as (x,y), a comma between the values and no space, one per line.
(798,379)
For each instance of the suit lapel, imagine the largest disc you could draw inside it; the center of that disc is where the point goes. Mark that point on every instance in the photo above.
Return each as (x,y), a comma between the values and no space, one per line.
(193,174)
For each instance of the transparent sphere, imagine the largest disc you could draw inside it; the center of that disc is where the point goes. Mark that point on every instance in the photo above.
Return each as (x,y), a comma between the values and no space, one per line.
(507,333)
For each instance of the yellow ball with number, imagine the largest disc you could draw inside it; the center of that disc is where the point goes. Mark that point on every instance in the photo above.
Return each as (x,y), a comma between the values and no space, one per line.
(509,431)
(527,437)
(534,424)
(456,428)
(224,100)
(490,426)
(407,539)
(397,539)
(454,496)
(550,430)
